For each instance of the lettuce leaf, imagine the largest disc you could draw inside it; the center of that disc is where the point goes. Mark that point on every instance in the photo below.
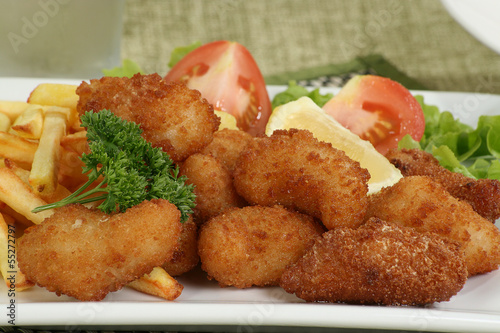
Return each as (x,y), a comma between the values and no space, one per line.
(295,91)
(448,159)
(474,152)
(488,132)
(127,69)
(179,52)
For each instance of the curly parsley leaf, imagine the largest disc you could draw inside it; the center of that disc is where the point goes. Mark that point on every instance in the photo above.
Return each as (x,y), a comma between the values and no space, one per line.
(128,169)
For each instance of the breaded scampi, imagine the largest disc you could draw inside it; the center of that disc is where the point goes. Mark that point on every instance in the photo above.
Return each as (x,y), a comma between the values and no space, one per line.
(378,263)
(227,145)
(85,253)
(251,246)
(185,257)
(213,186)
(295,170)
(482,194)
(423,204)
(172,116)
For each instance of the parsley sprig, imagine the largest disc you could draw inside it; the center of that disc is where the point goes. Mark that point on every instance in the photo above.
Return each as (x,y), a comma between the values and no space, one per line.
(129,169)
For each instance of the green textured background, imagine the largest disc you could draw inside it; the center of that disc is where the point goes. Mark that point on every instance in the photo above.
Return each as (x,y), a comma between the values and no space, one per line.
(418,37)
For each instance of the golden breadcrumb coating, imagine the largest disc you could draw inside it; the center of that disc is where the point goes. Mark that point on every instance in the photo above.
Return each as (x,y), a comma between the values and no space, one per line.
(251,246)
(295,170)
(213,186)
(482,194)
(378,263)
(172,116)
(185,257)
(85,253)
(423,204)
(227,145)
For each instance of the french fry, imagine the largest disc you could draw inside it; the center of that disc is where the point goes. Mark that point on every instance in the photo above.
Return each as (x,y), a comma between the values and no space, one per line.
(20,197)
(17,149)
(45,168)
(12,109)
(61,192)
(54,94)
(5,122)
(29,124)
(8,219)
(76,142)
(20,172)
(158,283)
(59,109)
(8,212)
(12,276)
(70,170)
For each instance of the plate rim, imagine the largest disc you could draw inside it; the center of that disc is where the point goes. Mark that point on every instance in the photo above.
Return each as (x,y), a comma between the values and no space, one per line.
(476,27)
(431,318)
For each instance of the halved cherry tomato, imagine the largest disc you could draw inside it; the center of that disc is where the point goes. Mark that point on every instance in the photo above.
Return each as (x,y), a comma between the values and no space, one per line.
(379,110)
(228,77)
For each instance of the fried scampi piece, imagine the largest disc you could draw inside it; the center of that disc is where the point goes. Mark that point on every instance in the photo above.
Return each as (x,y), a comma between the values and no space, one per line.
(295,170)
(251,246)
(482,194)
(423,204)
(227,146)
(378,263)
(85,253)
(213,186)
(172,116)
(185,257)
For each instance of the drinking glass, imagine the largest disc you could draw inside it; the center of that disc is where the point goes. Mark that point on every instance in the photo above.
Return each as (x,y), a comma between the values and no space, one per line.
(59,38)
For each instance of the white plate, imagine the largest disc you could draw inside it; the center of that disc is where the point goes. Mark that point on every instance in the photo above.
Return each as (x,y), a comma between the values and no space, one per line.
(479,18)
(203,304)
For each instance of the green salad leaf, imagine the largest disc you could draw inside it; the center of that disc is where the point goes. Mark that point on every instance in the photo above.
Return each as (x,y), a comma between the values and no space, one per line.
(179,52)
(475,152)
(295,91)
(127,69)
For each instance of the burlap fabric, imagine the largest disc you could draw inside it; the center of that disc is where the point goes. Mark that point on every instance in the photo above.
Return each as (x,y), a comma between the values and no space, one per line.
(285,36)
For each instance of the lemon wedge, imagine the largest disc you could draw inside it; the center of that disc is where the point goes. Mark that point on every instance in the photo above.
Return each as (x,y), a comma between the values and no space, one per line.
(227,120)
(305,114)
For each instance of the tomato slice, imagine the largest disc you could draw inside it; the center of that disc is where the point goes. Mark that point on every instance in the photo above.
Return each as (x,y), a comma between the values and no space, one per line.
(379,110)
(227,75)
